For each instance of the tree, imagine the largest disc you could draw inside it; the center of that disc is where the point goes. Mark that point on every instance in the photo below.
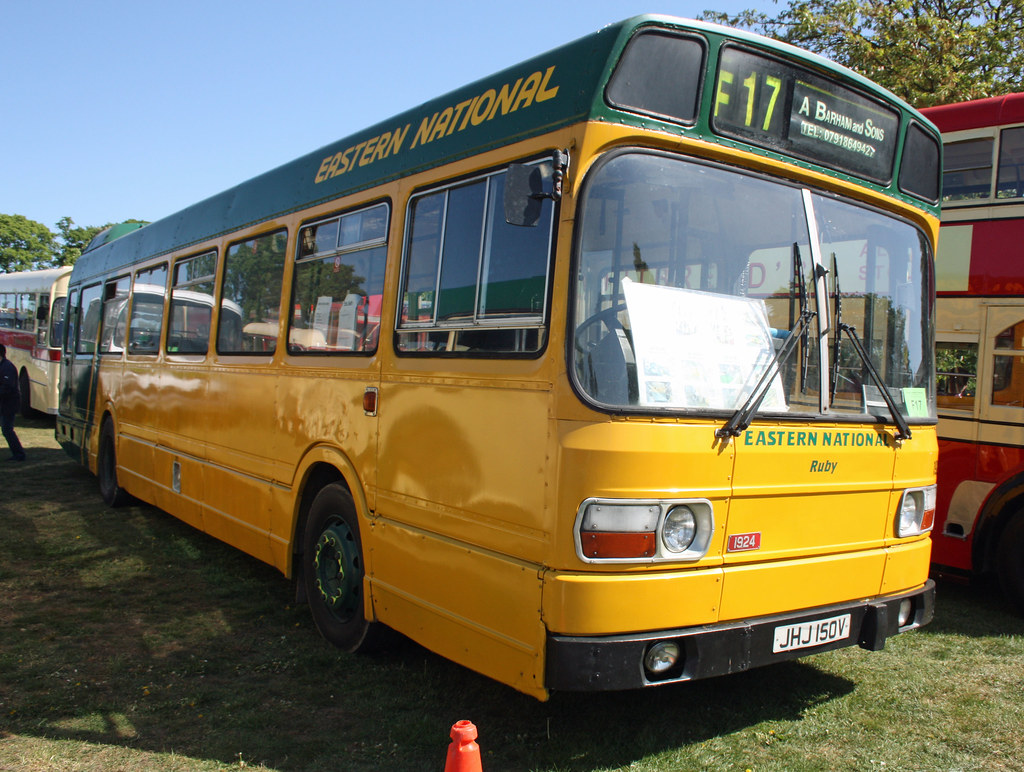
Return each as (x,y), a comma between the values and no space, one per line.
(74,240)
(24,244)
(927,51)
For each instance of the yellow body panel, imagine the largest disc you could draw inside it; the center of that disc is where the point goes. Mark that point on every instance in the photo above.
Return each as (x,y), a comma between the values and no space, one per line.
(758,589)
(611,603)
(470,605)
(906,563)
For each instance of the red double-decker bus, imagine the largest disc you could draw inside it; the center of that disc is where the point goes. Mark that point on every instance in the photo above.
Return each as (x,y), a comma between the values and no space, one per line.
(979,526)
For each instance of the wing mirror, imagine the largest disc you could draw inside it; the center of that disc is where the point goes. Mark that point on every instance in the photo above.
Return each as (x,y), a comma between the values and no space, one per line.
(527,185)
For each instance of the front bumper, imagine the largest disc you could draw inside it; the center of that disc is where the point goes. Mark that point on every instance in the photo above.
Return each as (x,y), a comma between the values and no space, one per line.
(615,662)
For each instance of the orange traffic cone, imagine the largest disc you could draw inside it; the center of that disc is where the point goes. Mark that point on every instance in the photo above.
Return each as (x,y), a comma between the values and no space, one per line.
(463,752)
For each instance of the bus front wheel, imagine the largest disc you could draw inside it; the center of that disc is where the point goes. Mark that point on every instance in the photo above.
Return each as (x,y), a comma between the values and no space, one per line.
(106,468)
(1010,561)
(333,571)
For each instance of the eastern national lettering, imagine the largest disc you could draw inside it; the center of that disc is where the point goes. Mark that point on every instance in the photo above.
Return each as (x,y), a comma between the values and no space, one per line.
(824,438)
(494,102)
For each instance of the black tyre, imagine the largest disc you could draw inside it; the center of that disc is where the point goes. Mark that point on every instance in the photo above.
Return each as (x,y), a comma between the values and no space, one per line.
(333,571)
(1010,561)
(106,468)
(24,386)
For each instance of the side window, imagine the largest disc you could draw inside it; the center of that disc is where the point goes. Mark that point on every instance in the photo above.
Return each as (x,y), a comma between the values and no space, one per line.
(89,314)
(250,300)
(339,283)
(1010,183)
(27,303)
(115,315)
(56,334)
(147,316)
(967,170)
(956,379)
(191,304)
(7,310)
(71,329)
(472,283)
(1008,367)
(18,310)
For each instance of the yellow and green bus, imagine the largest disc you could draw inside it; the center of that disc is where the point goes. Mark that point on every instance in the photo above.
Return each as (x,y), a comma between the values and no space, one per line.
(614,369)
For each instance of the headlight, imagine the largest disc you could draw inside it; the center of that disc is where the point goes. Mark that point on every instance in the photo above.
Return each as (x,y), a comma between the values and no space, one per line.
(623,531)
(679,529)
(917,511)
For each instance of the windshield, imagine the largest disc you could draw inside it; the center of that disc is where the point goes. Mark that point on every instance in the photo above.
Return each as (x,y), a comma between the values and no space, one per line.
(691,278)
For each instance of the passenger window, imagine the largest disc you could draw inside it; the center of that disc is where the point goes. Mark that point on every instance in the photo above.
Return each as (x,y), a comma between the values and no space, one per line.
(90,314)
(18,311)
(1011,163)
(339,283)
(71,328)
(28,303)
(1008,367)
(8,308)
(55,337)
(956,379)
(474,284)
(967,170)
(115,308)
(250,303)
(191,305)
(147,317)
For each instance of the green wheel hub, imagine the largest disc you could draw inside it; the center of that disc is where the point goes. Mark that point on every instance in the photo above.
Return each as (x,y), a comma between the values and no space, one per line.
(337,570)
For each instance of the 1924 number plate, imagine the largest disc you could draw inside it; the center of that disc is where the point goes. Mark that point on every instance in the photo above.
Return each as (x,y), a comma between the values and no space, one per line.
(804,635)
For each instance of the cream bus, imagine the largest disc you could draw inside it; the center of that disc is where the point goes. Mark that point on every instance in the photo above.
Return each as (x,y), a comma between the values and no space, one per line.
(31,327)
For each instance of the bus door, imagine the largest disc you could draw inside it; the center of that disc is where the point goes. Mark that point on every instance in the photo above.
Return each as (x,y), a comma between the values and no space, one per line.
(78,377)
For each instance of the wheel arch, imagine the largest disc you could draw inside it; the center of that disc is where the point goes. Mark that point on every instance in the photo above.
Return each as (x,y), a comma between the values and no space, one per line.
(1004,503)
(93,447)
(323,465)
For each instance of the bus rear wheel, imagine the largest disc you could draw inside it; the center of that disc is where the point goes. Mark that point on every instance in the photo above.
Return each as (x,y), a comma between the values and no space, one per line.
(333,571)
(25,387)
(106,469)
(1010,561)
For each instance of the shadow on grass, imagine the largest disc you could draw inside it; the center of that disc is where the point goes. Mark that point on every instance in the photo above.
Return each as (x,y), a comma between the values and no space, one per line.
(127,627)
(977,609)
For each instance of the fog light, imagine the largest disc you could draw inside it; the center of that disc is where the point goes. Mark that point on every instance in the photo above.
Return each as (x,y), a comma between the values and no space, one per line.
(906,612)
(661,657)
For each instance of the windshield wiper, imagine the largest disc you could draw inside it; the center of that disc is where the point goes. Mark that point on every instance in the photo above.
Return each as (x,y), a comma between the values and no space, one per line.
(839,335)
(741,418)
(801,285)
(897,417)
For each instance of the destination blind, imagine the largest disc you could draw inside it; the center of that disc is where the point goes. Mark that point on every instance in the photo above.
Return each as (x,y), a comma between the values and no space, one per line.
(774,104)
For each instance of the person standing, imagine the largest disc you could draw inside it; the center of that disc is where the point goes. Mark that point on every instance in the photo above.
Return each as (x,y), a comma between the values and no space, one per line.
(10,402)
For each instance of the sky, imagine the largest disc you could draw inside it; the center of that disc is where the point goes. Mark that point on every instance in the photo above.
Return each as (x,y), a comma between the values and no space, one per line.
(119,109)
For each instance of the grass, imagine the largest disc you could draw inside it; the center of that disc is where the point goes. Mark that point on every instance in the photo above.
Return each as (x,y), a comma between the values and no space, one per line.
(129,641)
